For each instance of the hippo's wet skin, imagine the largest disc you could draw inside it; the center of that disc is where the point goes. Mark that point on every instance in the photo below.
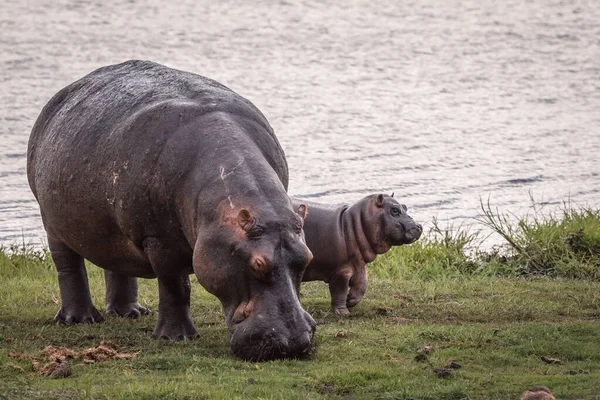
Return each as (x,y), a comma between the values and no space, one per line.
(344,239)
(152,172)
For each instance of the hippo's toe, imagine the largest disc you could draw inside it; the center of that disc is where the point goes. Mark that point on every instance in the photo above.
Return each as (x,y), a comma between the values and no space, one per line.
(78,315)
(341,311)
(131,310)
(176,331)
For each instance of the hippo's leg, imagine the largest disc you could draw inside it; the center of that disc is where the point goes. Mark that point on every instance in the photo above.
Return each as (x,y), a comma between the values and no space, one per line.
(338,287)
(174,319)
(121,296)
(358,287)
(76,302)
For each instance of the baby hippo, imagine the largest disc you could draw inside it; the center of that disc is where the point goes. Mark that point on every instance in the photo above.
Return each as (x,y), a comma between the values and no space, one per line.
(345,238)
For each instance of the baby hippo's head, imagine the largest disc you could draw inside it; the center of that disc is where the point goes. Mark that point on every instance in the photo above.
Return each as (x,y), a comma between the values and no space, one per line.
(390,225)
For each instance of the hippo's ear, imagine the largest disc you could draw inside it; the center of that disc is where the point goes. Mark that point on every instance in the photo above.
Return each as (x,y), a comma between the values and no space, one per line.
(392,194)
(302,211)
(379,200)
(245,220)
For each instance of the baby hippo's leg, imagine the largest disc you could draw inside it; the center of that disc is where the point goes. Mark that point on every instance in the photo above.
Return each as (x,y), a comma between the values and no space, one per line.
(338,287)
(358,287)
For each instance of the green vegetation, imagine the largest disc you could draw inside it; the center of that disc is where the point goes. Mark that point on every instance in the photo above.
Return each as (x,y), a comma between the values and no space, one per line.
(566,245)
(495,312)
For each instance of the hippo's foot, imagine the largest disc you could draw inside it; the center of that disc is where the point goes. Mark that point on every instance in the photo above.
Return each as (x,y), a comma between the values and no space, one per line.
(351,302)
(78,315)
(341,311)
(130,310)
(173,329)
(354,298)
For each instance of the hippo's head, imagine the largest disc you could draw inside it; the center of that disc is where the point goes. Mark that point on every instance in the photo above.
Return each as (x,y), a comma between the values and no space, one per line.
(253,260)
(391,225)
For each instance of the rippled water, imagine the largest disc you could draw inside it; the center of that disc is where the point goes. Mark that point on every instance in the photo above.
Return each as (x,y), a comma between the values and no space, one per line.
(441,102)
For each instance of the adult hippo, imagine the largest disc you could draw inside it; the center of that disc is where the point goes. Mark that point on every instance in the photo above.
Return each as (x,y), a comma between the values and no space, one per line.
(152,172)
(344,239)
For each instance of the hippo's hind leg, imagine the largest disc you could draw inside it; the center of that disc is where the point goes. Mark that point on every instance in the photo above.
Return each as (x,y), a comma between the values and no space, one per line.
(172,273)
(338,288)
(121,296)
(358,287)
(76,302)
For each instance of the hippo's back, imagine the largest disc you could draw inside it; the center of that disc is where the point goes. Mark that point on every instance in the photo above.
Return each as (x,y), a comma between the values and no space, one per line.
(87,111)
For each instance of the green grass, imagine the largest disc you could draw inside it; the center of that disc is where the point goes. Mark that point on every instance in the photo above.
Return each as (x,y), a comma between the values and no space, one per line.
(494,312)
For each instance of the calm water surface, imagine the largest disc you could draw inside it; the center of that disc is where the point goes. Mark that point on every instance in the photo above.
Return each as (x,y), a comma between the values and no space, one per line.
(443,103)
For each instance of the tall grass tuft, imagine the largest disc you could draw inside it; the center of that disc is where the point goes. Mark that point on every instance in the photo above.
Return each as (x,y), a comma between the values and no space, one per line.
(564,244)
(24,260)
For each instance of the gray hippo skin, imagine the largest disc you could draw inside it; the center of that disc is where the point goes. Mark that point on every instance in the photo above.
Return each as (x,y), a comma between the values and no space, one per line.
(151,172)
(344,239)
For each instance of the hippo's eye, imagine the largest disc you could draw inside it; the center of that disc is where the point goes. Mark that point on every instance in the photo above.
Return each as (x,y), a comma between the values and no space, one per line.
(255,232)
(395,211)
(298,228)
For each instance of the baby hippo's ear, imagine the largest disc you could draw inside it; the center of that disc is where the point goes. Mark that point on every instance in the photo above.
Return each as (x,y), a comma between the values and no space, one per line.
(245,220)
(302,211)
(379,200)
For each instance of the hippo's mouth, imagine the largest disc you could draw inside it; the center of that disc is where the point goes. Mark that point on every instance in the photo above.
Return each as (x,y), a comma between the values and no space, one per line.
(404,236)
(411,239)
(258,338)
(260,347)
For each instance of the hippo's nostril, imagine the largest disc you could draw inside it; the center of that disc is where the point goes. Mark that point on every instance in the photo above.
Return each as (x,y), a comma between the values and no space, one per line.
(311,322)
(304,341)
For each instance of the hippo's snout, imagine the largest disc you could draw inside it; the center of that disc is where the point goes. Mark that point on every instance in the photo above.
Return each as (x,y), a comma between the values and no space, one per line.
(259,338)
(413,233)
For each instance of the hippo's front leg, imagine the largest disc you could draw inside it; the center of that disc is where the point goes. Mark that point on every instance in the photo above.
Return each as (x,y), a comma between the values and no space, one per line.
(338,287)
(76,302)
(358,286)
(121,296)
(174,319)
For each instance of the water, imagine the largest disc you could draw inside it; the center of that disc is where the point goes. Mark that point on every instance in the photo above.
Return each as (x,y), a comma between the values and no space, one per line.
(443,103)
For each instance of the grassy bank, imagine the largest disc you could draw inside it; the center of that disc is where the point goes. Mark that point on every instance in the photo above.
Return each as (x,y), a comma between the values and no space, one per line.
(495,313)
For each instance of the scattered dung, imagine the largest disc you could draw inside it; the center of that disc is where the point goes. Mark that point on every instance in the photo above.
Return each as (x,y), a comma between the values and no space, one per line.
(341,334)
(16,367)
(103,352)
(538,393)
(421,358)
(453,365)
(443,372)
(55,369)
(53,360)
(384,310)
(425,349)
(576,371)
(551,360)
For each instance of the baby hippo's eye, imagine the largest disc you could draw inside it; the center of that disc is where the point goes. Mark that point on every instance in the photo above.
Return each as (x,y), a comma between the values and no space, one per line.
(298,228)
(395,211)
